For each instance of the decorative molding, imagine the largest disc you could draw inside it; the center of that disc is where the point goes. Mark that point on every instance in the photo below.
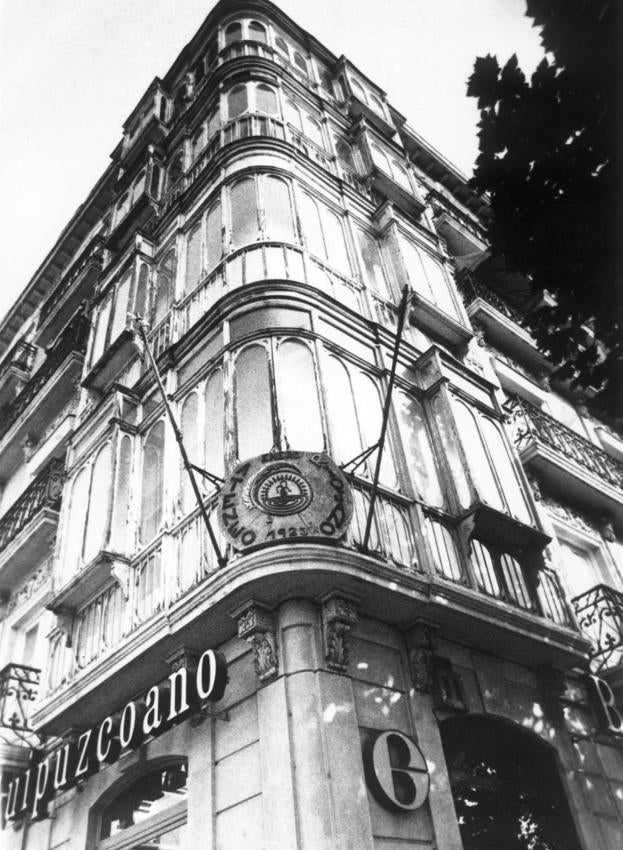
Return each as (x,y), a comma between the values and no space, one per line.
(421,647)
(570,515)
(256,626)
(339,615)
(29,587)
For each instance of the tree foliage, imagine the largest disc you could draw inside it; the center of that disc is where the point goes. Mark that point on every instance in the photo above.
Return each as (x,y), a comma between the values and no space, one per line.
(549,159)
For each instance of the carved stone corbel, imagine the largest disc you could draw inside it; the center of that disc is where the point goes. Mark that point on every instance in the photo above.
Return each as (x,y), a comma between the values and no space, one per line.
(421,647)
(607,528)
(339,615)
(256,625)
(64,623)
(121,571)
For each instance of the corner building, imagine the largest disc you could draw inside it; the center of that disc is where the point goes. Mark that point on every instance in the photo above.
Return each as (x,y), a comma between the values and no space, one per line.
(263,212)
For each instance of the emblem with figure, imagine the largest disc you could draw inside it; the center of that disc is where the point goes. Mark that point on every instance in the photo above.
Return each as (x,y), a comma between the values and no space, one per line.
(290,496)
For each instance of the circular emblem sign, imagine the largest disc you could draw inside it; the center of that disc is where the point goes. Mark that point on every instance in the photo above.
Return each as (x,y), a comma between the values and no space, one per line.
(287,497)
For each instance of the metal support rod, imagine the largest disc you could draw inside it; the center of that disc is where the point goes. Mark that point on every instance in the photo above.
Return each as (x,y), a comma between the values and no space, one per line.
(188,466)
(360,458)
(388,398)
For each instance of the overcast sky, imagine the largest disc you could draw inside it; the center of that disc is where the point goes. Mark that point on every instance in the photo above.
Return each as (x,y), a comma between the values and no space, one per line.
(72,70)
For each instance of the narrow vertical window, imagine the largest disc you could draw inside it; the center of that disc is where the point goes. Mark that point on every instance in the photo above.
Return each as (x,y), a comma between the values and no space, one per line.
(97,519)
(213,123)
(300,62)
(237,101)
(418,449)
(277,210)
(152,483)
(122,306)
(342,416)
(293,115)
(142,291)
(415,270)
(357,90)
(372,264)
(193,258)
(370,414)
(344,153)
(215,424)
(244,213)
(101,330)
(438,284)
(233,33)
(165,284)
(76,521)
(119,536)
(190,432)
(504,467)
(297,397)
(253,402)
(313,131)
(199,142)
(335,242)
(477,459)
(311,225)
(154,183)
(214,241)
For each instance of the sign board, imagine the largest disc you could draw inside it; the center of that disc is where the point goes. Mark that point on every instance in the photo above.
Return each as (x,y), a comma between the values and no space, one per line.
(289,497)
(164,705)
(396,771)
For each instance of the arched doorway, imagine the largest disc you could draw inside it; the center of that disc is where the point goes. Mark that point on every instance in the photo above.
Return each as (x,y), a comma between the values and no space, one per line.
(506,785)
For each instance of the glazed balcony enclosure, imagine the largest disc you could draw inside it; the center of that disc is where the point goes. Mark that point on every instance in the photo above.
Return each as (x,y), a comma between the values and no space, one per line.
(44,395)
(568,462)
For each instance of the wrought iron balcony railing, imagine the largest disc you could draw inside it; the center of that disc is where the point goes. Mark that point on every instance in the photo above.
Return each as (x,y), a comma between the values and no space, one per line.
(600,616)
(45,491)
(470,289)
(18,690)
(73,339)
(532,423)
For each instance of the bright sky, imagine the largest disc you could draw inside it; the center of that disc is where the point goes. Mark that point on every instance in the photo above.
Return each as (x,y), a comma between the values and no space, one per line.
(71,71)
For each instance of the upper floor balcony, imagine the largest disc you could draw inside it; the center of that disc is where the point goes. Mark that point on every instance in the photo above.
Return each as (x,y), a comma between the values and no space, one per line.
(26,527)
(44,395)
(461,231)
(19,686)
(156,600)
(73,287)
(567,461)
(15,369)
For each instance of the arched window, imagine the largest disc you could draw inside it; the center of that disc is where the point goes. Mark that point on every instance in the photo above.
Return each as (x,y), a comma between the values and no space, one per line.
(123,205)
(372,264)
(505,470)
(193,258)
(119,535)
(418,449)
(313,131)
(237,101)
(277,209)
(297,397)
(179,101)
(293,115)
(152,483)
(122,305)
(281,45)
(76,521)
(151,812)
(376,104)
(97,520)
(165,287)
(357,90)
(257,31)
(344,153)
(142,287)
(244,212)
(215,424)
(343,424)
(300,62)
(162,114)
(324,234)
(506,786)
(190,432)
(266,100)
(233,33)
(253,402)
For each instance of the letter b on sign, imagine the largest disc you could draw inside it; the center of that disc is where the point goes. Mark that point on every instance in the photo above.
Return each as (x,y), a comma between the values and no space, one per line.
(396,772)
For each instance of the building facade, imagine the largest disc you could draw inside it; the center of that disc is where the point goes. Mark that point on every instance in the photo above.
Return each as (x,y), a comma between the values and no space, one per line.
(453,678)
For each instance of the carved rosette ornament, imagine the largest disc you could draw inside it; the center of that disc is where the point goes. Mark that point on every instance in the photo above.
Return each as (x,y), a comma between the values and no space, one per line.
(421,647)
(256,626)
(339,615)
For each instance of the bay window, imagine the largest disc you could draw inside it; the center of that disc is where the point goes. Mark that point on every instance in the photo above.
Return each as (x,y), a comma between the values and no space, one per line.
(250,98)
(427,277)
(261,208)
(245,31)
(323,232)
(125,297)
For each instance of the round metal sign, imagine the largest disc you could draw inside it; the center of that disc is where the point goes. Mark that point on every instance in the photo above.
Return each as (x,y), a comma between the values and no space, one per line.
(287,497)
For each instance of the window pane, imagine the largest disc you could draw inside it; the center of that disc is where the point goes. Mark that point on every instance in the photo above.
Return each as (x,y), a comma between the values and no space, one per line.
(506,473)
(370,412)
(337,254)
(215,424)
(310,219)
(97,521)
(233,33)
(213,123)
(120,315)
(257,32)
(190,432)
(451,451)
(101,330)
(253,403)
(193,258)
(142,290)
(341,410)
(358,90)
(152,483)
(149,795)
(300,62)
(74,530)
(477,459)
(279,221)
(293,115)
(345,153)
(417,277)
(297,397)
(214,242)
(313,131)
(281,45)
(418,449)
(265,100)
(515,581)
(373,267)
(484,570)
(199,142)
(237,101)
(439,285)
(379,158)
(121,507)
(164,288)
(400,175)
(376,104)
(244,213)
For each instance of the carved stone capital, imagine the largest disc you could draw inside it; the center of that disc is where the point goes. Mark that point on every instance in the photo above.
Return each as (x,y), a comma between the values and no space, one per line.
(339,615)
(421,647)
(183,658)
(256,625)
